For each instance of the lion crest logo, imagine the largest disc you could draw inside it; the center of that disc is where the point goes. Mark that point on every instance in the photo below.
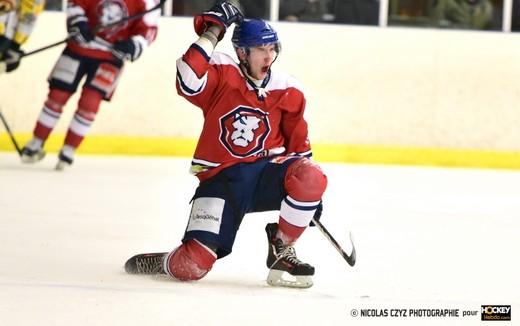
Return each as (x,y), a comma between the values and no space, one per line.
(111,11)
(244,130)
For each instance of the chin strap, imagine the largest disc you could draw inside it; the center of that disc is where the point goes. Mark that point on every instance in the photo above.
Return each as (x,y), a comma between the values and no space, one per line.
(260,90)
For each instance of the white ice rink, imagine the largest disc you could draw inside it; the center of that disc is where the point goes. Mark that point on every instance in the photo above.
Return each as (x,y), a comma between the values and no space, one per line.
(426,238)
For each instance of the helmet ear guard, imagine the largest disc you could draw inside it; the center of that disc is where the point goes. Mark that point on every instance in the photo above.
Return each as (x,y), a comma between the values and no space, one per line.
(242,54)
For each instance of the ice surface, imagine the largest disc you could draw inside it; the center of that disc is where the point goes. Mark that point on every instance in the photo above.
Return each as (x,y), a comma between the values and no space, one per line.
(425,238)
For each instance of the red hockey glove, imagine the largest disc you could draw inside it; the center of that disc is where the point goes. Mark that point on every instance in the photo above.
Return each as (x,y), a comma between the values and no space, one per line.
(222,14)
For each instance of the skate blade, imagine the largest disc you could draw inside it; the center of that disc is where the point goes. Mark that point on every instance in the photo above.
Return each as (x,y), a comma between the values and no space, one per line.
(133,267)
(32,159)
(276,278)
(62,165)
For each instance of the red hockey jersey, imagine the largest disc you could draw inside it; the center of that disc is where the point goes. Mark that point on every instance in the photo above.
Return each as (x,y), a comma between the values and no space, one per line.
(105,12)
(240,125)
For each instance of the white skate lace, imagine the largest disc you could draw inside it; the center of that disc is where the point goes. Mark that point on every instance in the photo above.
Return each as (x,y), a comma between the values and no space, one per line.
(288,253)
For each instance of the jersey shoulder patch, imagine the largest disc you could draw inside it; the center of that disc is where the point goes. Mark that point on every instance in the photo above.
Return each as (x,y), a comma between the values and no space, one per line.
(219,58)
(281,80)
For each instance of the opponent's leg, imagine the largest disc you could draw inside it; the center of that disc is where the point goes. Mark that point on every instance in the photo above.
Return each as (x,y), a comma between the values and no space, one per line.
(49,116)
(88,107)
(101,82)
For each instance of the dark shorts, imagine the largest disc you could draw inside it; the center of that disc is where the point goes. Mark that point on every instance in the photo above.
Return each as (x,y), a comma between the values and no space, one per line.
(71,68)
(220,203)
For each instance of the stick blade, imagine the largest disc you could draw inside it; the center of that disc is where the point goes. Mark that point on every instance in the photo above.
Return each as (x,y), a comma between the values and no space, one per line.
(351,259)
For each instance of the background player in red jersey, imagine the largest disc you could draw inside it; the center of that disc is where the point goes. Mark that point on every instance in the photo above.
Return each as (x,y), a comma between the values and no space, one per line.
(251,155)
(97,53)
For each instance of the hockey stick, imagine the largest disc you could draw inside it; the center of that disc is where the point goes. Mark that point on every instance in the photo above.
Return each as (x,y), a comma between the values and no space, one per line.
(9,132)
(351,259)
(99,28)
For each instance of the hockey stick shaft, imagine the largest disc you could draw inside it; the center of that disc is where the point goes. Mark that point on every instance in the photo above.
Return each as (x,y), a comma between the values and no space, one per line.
(99,28)
(351,259)
(129,18)
(45,47)
(10,133)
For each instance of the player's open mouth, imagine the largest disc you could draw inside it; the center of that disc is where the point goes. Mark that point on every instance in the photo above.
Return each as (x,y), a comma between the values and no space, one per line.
(265,69)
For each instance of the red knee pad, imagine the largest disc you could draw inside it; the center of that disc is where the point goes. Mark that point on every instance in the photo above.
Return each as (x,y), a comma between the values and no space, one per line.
(305,181)
(89,103)
(191,261)
(56,99)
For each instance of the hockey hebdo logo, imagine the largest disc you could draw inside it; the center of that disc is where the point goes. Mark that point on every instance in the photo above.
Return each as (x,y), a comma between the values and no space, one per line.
(487,312)
(495,312)
(243,131)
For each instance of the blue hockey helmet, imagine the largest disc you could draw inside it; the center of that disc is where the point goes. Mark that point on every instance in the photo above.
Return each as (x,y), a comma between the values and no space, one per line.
(254,32)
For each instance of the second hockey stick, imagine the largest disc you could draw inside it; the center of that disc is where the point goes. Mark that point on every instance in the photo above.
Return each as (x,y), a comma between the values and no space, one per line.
(351,259)
(100,28)
(10,133)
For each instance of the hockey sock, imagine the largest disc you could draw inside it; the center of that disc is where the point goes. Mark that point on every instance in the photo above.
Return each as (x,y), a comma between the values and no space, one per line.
(288,232)
(305,183)
(50,113)
(88,107)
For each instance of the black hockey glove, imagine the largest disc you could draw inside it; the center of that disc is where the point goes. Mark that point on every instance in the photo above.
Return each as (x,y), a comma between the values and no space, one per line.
(12,57)
(79,30)
(130,49)
(222,14)
(317,214)
(5,43)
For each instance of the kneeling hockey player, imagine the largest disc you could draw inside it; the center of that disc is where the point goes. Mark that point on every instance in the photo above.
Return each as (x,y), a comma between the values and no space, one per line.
(252,154)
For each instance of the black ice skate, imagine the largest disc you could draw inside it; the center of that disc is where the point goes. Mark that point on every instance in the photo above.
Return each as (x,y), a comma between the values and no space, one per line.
(282,258)
(150,264)
(32,154)
(64,161)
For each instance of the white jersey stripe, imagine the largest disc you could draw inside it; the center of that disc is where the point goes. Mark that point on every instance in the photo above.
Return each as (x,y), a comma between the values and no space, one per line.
(190,84)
